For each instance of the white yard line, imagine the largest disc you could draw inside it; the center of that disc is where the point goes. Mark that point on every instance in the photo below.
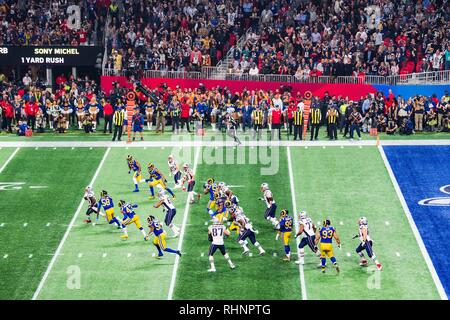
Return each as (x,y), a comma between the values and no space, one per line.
(294,211)
(66,234)
(9,159)
(183,229)
(416,233)
(196,142)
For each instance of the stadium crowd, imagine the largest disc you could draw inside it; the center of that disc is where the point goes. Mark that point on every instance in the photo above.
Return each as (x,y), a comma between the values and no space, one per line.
(80,104)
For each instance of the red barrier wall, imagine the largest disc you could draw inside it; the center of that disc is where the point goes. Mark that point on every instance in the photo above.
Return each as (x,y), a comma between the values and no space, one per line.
(353,91)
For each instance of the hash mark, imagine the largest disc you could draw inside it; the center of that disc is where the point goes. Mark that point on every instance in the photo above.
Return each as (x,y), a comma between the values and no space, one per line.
(348,254)
(202,254)
(274,254)
(397,254)
(30,256)
(73,148)
(5,256)
(153,254)
(360,147)
(48,224)
(341,223)
(104,255)
(324,147)
(306,147)
(250,254)
(206,223)
(128,255)
(342,147)
(80,255)
(36,148)
(1,225)
(90,148)
(387,223)
(25,224)
(54,148)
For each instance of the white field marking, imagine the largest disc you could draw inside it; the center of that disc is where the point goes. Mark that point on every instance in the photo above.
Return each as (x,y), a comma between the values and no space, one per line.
(342,147)
(128,255)
(415,231)
(9,160)
(348,254)
(204,143)
(250,254)
(206,223)
(38,187)
(387,223)
(360,147)
(236,186)
(306,147)
(294,210)
(25,225)
(48,224)
(324,147)
(202,254)
(341,223)
(2,224)
(5,256)
(36,148)
(104,255)
(54,148)
(90,148)
(153,254)
(66,234)
(30,256)
(183,228)
(73,148)
(397,254)
(80,255)
(274,254)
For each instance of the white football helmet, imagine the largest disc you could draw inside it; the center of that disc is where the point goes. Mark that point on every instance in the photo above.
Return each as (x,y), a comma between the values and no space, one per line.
(170,157)
(302,215)
(363,221)
(185,166)
(264,186)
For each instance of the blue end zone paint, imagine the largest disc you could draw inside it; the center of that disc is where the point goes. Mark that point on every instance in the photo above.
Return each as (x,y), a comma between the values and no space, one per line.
(420,172)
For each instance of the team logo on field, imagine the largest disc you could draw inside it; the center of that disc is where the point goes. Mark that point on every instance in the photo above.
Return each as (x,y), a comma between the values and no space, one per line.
(439,201)
(6,186)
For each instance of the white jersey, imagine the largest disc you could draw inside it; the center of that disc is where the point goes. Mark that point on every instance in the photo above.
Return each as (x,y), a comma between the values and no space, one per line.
(307,226)
(242,218)
(361,227)
(173,167)
(167,203)
(268,195)
(217,233)
(189,175)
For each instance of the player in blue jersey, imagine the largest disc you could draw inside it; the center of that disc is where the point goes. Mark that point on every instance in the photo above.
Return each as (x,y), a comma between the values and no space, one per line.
(325,235)
(106,202)
(159,241)
(135,166)
(156,177)
(129,217)
(209,189)
(285,231)
(138,123)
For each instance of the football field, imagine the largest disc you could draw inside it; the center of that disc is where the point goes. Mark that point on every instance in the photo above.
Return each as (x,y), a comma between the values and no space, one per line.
(47,252)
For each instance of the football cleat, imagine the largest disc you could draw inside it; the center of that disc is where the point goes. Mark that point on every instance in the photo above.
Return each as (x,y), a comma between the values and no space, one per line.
(232,266)
(211,270)
(125,237)
(151,197)
(363,263)
(179,253)
(198,196)
(87,221)
(286,259)
(136,190)
(245,252)
(262,252)
(379,266)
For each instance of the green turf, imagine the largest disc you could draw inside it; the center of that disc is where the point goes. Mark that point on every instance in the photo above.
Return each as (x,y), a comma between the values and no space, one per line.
(118,275)
(344,184)
(4,155)
(65,172)
(255,277)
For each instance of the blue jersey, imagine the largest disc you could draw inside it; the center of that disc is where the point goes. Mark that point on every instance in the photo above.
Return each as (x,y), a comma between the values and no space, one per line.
(326,234)
(127,211)
(154,174)
(286,224)
(211,189)
(157,228)
(133,165)
(106,203)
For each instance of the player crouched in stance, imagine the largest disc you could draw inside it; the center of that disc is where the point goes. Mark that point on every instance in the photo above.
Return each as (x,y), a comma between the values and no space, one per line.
(246,231)
(216,232)
(366,244)
(285,230)
(169,209)
(93,206)
(135,166)
(157,178)
(108,205)
(325,236)
(129,217)
(189,177)
(159,241)
(307,227)
(270,203)
(174,170)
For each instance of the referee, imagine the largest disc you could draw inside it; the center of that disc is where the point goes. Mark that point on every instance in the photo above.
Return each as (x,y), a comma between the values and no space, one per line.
(118,119)
(332,118)
(297,117)
(257,117)
(316,117)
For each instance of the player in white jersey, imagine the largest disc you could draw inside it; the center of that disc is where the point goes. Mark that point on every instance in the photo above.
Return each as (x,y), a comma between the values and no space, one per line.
(169,209)
(93,207)
(174,170)
(216,232)
(366,243)
(270,203)
(189,177)
(308,229)
(246,231)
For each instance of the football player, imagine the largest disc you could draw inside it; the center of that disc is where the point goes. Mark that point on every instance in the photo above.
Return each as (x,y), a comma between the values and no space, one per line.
(189,177)
(135,166)
(308,229)
(174,170)
(157,178)
(216,232)
(325,236)
(129,217)
(270,203)
(285,230)
(246,231)
(366,244)
(159,241)
(170,211)
(89,196)
(108,206)
(210,188)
